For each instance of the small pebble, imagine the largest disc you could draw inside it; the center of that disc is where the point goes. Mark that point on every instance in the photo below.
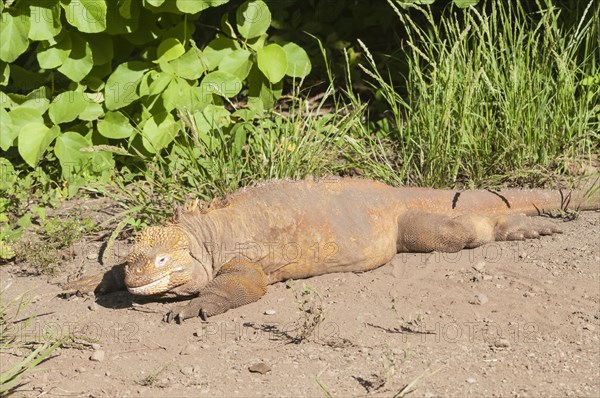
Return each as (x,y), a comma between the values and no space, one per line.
(479,266)
(471,380)
(97,356)
(590,327)
(92,307)
(260,367)
(188,370)
(479,299)
(502,343)
(270,312)
(189,349)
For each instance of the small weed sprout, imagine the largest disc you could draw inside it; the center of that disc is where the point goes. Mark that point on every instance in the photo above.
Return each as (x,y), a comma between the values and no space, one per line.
(45,253)
(152,378)
(389,369)
(411,324)
(310,304)
(10,343)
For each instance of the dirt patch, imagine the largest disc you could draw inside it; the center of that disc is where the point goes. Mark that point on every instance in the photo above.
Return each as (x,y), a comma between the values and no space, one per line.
(507,319)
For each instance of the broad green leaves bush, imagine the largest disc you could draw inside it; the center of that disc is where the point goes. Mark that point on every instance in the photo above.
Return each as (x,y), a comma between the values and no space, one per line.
(80,76)
(459,3)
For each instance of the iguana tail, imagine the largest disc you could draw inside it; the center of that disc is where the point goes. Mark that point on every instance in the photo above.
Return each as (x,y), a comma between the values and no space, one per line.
(506,201)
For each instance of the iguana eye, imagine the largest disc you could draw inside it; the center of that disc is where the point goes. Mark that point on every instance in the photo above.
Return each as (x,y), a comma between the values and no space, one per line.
(161,260)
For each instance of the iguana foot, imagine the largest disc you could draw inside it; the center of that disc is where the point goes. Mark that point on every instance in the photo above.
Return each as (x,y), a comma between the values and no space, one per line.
(521,227)
(183,312)
(238,282)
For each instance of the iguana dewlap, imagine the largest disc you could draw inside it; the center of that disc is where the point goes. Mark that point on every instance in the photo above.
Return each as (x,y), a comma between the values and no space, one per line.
(224,256)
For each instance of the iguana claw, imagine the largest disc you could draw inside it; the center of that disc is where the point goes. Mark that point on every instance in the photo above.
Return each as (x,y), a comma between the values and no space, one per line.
(173,316)
(180,313)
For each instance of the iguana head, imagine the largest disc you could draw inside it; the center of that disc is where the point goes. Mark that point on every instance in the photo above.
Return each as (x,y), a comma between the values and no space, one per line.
(158,261)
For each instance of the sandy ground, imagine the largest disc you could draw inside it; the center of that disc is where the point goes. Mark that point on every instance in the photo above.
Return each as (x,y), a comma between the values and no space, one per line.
(513,319)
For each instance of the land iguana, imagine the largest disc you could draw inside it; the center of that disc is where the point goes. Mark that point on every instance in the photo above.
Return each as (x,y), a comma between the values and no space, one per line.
(224,254)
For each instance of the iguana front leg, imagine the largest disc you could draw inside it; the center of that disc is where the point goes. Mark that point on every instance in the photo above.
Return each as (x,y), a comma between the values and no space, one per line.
(427,232)
(102,283)
(238,282)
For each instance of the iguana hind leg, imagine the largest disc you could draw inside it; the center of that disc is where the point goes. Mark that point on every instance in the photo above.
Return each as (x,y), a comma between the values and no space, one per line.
(519,227)
(426,232)
(237,283)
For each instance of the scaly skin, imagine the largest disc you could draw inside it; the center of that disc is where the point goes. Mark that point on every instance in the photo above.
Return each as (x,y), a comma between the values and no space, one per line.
(225,254)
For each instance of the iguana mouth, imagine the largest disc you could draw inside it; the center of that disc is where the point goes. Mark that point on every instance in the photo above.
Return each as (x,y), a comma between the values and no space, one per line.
(158,286)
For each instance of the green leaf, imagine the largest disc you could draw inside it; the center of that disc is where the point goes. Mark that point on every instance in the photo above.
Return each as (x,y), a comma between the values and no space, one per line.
(217,49)
(39,104)
(8,175)
(88,16)
(4,73)
(127,20)
(115,125)
(221,83)
(239,140)
(258,42)
(298,63)
(160,81)
(92,111)
(177,95)
(13,31)
(67,150)
(169,50)
(121,86)
(25,221)
(183,31)
(17,118)
(155,3)
(465,3)
(191,7)
(226,27)
(7,135)
(102,48)
(212,117)
(190,65)
(37,99)
(272,61)
(262,93)
(34,139)
(183,96)
(238,63)
(53,57)
(253,18)
(46,17)
(246,114)
(6,102)
(159,131)
(79,62)
(67,106)
(21,77)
